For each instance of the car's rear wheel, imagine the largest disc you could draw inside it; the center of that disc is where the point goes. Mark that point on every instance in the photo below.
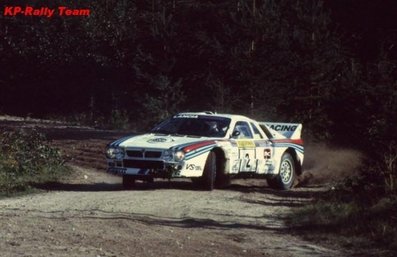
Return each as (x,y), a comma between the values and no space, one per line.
(209,174)
(287,174)
(128,182)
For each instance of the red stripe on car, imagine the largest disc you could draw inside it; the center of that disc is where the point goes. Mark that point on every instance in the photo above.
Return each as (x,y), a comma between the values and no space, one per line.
(292,141)
(197,145)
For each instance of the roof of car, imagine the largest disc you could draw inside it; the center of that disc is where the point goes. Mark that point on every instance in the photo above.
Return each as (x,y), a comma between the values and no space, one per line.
(230,116)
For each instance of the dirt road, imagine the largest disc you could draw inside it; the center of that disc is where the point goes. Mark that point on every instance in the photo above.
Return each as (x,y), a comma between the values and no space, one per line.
(95,217)
(91,215)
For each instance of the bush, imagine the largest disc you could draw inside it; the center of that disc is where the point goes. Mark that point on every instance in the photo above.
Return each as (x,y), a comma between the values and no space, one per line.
(26,159)
(119,120)
(352,209)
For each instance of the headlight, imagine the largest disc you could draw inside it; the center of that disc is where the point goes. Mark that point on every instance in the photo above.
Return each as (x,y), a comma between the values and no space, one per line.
(179,156)
(115,153)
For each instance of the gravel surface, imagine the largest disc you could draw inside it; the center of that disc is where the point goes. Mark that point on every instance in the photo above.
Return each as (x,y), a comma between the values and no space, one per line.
(90,214)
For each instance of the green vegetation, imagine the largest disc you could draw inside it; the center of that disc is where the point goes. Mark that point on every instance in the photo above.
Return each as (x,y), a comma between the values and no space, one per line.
(27,159)
(361,207)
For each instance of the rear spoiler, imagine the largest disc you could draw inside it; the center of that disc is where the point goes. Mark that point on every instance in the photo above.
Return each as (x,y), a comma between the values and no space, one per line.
(288,130)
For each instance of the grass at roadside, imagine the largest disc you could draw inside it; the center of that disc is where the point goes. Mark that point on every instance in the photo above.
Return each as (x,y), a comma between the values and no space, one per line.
(26,159)
(354,217)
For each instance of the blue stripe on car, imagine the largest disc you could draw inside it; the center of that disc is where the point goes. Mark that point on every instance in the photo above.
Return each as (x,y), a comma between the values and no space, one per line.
(296,147)
(121,140)
(199,152)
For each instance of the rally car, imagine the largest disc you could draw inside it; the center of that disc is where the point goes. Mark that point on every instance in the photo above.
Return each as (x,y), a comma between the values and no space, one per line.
(210,148)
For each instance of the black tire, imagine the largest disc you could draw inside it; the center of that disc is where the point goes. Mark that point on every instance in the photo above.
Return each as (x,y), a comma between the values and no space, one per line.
(223,180)
(209,174)
(287,174)
(128,182)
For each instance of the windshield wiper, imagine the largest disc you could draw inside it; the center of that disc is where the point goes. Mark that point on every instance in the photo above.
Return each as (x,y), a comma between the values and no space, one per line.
(195,136)
(160,134)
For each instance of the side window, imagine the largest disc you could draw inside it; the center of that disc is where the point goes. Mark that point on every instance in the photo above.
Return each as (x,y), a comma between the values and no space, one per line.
(244,129)
(257,134)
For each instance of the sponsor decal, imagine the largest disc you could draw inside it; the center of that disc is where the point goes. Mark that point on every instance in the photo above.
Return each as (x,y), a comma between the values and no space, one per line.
(245,144)
(193,167)
(283,127)
(159,140)
(189,116)
(267,153)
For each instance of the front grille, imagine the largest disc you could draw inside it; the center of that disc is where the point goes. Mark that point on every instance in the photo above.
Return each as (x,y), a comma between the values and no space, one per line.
(152,154)
(135,153)
(143,164)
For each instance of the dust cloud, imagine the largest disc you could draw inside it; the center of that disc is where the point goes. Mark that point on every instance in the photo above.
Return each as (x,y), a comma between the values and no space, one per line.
(325,164)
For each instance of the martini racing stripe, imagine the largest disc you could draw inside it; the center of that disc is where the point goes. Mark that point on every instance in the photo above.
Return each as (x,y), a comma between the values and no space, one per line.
(290,141)
(291,144)
(119,141)
(296,147)
(198,145)
(199,150)
(203,150)
(180,147)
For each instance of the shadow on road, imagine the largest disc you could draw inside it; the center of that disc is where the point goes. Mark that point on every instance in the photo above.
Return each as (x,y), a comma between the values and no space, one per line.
(304,193)
(97,187)
(301,192)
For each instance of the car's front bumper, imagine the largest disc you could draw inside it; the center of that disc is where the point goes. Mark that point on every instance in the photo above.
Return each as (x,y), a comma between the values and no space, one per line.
(146,168)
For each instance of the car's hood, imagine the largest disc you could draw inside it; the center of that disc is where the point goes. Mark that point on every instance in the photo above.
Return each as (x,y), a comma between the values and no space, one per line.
(157,141)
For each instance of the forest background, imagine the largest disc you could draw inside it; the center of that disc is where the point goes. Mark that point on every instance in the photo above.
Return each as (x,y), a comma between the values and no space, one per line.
(330,65)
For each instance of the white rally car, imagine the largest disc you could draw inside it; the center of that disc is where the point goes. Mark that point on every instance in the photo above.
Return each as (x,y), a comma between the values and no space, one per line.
(210,148)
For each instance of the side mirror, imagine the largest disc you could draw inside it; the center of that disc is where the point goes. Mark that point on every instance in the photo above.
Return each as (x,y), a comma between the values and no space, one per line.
(235,134)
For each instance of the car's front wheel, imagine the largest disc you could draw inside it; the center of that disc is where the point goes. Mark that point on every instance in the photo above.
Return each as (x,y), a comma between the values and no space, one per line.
(287,173)
(209,174)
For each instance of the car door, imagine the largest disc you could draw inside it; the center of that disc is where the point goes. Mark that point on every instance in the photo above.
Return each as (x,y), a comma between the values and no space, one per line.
(263,149)
(244,139)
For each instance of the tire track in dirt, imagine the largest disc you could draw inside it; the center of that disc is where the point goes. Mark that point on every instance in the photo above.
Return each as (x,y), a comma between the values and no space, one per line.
(94,216)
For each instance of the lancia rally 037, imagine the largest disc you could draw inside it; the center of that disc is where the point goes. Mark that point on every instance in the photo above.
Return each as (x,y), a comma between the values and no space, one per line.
(210,148)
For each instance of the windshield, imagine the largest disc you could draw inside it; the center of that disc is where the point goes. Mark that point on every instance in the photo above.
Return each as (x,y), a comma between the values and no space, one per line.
(194,125)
